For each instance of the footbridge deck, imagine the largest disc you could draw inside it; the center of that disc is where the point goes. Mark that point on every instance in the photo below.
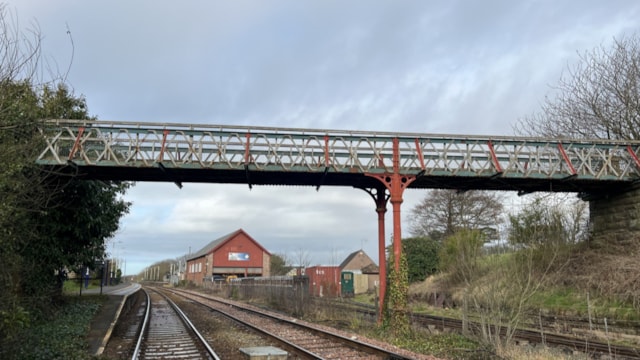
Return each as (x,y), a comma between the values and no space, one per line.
(287,156)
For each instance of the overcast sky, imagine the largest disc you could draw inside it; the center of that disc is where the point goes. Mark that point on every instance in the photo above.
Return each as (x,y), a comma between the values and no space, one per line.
(455,67)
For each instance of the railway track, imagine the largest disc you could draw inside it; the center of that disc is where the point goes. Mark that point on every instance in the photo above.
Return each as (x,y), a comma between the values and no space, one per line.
(589,346)
(301,340)
(567,324)
(303,344)
(167,333)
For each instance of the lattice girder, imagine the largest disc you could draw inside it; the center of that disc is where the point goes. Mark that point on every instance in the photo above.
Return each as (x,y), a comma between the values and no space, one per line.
(98,143)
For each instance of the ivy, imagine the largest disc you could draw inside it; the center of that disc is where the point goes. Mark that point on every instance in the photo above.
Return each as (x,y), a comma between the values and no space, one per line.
(61,336)
(396,317)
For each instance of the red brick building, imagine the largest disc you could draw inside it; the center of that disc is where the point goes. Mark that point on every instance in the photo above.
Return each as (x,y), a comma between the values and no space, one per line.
(236,253)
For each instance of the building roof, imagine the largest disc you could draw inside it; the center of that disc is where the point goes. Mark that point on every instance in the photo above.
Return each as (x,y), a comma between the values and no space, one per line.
(355,254)
(371,269)
(213,245)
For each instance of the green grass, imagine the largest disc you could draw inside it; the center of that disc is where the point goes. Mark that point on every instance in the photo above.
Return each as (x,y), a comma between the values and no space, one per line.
(563,301)
(366,298)
(493,260)
(72,286)
(614,309)
(569,302)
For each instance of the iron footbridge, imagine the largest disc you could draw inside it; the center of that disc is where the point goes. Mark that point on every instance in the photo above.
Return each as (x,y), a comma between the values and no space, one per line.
(108,150)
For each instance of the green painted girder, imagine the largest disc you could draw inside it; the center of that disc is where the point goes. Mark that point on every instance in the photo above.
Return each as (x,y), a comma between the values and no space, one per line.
(107,149)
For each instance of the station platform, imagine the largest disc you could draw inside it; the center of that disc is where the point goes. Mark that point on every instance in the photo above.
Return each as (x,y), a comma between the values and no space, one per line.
(105,319)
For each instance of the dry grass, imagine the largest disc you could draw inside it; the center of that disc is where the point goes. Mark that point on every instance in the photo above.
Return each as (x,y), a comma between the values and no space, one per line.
(435,283)
(609,275)
(611,272)
(537,353)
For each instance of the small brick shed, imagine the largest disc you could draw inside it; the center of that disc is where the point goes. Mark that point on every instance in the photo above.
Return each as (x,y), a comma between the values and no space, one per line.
(236,253)
(366,272)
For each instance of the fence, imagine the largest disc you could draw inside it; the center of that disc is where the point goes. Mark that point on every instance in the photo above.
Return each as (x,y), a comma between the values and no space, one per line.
(290,294)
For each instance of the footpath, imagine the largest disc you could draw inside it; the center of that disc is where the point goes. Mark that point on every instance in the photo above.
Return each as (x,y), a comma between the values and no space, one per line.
(105,319)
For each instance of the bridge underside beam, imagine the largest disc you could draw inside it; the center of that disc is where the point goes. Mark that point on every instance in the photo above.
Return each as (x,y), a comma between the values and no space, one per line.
(330,178)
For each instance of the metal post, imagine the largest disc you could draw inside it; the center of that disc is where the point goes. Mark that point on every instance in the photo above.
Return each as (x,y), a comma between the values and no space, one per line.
(101,277)
(380,197)
(396,183)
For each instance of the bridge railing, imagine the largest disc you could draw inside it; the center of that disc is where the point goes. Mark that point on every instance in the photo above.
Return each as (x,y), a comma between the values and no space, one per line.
(123,144)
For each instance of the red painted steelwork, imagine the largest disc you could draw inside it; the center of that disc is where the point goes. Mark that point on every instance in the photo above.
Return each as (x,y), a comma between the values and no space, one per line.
(494,158)
(420,157)
(246,149)
(282,156)
(164,143)
(633,155)
(381,209)
(396,183)
(380,197)
(566,159)
(326,150)
(76,143)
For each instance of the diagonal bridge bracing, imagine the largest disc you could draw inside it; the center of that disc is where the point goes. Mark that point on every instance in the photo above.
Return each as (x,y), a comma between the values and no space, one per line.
(384,164)
(281,156)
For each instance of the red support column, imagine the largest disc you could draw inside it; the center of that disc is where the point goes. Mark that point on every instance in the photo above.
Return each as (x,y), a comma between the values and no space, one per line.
(380,197)
(395,183)
(381,209)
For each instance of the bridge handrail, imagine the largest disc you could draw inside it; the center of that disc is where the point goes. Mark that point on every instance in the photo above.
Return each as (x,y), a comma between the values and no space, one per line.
(244,129)
(220,147)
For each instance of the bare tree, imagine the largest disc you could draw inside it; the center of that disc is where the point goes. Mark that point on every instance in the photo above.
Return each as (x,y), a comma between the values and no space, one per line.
(442,212)
(20,51)
(498,290)
(597,98)
(302,258)
(548,218)
(335,257)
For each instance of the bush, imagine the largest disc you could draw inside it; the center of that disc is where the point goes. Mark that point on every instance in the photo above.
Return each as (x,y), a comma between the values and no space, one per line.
(459,255)
(422,257)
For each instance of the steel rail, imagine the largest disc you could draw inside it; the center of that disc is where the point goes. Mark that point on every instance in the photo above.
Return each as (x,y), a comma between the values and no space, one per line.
(192,327)
(183,317)
(353,343)
(298,350)
(145,322)
(535,336)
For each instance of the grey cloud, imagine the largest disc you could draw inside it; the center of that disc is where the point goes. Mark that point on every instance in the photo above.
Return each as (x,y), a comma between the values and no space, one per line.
(454,67)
